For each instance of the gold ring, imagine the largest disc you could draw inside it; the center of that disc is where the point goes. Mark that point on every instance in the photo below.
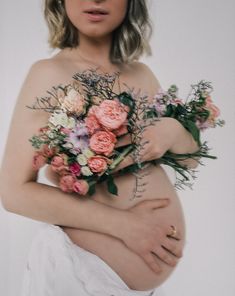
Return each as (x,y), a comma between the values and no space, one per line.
(173,231)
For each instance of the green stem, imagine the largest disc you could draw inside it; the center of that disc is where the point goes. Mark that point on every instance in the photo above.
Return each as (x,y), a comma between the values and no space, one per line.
(120,157)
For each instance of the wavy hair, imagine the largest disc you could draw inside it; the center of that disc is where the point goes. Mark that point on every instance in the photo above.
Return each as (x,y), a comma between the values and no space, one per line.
(130,39)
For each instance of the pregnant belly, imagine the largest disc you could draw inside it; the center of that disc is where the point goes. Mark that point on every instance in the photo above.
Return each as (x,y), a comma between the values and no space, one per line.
(129,266)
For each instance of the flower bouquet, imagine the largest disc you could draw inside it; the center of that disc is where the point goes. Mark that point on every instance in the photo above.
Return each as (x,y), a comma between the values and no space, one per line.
(87,118)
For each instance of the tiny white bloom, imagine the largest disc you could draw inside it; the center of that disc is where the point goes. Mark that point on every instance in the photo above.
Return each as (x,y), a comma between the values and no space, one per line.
(81,159)
(62,119)
(88,153)
(85,170)
(71,122)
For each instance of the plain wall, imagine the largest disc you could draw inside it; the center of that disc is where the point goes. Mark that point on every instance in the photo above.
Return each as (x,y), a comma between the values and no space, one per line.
(192,40)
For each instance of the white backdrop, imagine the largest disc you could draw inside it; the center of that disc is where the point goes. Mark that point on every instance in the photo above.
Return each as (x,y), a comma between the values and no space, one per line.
(193,40)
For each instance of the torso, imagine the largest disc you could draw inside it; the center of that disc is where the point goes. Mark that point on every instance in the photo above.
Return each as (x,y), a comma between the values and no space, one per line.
(130,267)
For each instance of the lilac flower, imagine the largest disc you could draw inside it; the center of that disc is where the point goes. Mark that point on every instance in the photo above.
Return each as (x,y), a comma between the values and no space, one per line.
(78,139)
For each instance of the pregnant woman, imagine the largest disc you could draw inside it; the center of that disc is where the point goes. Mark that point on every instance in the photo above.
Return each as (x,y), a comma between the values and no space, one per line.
(102,245)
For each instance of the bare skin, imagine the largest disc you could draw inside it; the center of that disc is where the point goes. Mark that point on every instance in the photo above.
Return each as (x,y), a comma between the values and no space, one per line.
(130,267)
(131,236)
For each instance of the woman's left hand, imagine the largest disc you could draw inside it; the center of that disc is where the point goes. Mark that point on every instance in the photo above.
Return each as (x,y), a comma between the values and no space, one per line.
(167,134)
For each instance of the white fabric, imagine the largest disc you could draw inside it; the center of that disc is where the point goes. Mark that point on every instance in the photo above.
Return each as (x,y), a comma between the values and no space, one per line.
(58,267)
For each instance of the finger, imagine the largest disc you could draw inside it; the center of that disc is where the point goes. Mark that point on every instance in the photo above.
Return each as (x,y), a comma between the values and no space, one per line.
(157,203)
(173,248)
(166,257)
(151,262)
(172,235)
(124,140)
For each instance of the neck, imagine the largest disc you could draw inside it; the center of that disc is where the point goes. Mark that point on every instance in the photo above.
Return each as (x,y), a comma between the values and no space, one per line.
(95,51)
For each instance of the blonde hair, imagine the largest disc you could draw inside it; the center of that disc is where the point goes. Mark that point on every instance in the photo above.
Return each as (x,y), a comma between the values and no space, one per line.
(130,39)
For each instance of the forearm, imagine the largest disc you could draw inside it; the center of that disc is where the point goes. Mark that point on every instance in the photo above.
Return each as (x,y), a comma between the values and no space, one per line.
(51,205)
(184,141)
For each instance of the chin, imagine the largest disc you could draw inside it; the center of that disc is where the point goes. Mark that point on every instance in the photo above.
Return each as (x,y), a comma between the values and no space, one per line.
(96,34)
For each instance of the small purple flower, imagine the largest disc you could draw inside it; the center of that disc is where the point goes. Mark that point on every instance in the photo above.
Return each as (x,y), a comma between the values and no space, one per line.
(78,137)
(160,108)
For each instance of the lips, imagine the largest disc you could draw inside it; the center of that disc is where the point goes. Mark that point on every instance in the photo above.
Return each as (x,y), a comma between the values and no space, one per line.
(96,11)
(96,14)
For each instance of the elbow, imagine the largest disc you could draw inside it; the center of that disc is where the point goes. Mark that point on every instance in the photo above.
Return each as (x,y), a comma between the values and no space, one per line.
(8,197)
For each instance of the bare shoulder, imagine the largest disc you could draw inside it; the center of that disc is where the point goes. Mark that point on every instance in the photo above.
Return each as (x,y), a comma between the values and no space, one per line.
(145,76)
(46,73)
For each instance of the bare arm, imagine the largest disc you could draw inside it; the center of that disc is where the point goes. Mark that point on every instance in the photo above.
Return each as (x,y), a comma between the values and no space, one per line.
(20,193)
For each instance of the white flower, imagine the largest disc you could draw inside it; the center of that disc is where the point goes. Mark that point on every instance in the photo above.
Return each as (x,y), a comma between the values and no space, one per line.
(61,119)
(81,159)
(86,171)
(88,153)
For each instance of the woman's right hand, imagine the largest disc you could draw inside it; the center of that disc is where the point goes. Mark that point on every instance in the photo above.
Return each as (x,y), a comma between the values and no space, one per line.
(149,237)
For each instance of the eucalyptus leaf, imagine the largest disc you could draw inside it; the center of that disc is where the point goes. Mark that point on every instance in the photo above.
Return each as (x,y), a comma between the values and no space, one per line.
(112,187)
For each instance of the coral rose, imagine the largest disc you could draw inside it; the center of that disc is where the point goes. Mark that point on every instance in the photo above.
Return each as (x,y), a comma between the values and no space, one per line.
(97,164)
(102,142)
(92,124)
(81,187)
(111,114)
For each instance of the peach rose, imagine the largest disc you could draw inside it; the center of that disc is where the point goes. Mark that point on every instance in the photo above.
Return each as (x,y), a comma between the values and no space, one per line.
(38,161)
(74,102)
(67,182)
(81,187)
(214,111)
(92,124)
(111,114)
(97,164)
(102,142)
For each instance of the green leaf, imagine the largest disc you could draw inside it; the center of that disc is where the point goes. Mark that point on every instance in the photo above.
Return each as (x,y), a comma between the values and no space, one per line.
(127,100)
(91,190)
(112,187)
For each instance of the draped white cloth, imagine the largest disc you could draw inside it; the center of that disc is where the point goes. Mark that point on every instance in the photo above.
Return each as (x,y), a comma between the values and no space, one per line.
(58,267)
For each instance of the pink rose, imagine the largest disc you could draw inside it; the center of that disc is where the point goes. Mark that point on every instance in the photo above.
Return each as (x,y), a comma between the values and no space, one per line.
(178,101)
(48,152)
(81,187)
(59,164)
(67,182)
(102,142)
(97,164)
(111,114)
(92,124)
(38,161)
(75,169)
